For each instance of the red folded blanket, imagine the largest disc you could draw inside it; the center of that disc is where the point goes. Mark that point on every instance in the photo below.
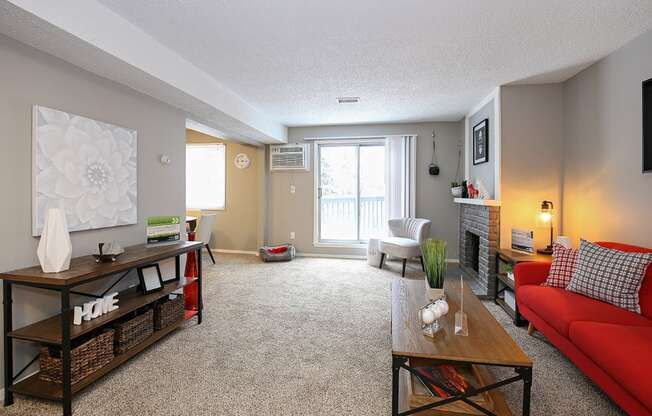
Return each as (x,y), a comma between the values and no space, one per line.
(277,250)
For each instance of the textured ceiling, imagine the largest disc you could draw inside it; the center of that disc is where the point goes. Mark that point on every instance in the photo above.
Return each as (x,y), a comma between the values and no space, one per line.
(407,60)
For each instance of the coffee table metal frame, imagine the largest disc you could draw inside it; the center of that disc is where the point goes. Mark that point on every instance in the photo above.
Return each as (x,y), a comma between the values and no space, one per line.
(400,362)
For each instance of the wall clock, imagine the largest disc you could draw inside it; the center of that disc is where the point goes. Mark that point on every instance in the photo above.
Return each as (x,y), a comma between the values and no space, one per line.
(241,161)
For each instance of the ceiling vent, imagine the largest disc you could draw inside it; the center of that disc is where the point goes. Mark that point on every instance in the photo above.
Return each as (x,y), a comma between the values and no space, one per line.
(348,100)
(289,157)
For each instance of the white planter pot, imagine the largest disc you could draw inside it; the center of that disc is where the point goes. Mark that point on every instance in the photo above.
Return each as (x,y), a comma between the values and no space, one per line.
(55,249)
(456,191)
(434,294)
(373,254)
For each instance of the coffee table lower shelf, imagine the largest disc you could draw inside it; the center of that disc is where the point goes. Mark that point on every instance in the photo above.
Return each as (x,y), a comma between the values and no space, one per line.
(34,387)
(404,403)
(494,399)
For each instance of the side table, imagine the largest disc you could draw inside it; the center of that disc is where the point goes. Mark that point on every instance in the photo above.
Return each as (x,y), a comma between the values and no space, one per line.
(504,283)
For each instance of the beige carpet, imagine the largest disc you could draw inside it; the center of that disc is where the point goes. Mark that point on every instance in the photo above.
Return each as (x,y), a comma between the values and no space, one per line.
(311,337)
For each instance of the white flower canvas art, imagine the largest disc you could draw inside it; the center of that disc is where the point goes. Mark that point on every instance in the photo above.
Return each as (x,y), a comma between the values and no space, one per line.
(86,167)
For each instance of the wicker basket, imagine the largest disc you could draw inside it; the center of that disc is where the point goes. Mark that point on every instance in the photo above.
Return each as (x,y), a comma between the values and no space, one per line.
(130,333)
(84,359)
(168,312)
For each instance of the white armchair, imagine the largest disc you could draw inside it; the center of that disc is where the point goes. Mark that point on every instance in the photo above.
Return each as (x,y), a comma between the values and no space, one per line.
(407,234)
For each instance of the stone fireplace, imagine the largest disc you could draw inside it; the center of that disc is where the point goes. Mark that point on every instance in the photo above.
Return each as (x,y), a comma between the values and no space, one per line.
(479,240)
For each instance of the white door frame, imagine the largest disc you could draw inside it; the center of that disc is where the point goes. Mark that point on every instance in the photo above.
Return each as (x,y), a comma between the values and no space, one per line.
(317,165)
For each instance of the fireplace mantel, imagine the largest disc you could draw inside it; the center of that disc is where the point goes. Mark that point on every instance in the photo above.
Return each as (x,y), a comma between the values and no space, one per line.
(483,202)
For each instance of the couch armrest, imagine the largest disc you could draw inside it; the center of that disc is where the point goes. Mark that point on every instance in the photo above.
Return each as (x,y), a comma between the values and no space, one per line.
(530,273)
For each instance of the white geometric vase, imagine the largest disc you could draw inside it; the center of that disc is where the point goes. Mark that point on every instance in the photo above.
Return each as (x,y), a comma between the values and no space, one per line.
(55,249)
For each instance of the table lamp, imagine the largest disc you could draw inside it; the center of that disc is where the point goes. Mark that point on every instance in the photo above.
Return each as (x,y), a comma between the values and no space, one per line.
(544,219)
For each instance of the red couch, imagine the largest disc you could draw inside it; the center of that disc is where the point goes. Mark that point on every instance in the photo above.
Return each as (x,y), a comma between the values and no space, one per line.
(612,346)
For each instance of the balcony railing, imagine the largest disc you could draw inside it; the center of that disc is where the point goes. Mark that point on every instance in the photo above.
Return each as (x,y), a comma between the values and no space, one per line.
(338,217)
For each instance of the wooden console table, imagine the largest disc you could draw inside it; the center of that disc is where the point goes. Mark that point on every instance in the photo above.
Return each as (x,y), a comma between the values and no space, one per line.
(59,330)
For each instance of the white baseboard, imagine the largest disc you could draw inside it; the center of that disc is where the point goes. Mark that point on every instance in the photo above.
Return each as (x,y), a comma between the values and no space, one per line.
(221,250)
(332,256)
(352,256)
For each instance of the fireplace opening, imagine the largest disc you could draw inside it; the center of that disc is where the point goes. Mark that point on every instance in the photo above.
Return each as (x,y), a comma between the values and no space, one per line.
(474,250)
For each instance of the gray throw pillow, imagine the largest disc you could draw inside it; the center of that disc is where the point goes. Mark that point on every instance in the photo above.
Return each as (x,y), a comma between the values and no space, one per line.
(609,275)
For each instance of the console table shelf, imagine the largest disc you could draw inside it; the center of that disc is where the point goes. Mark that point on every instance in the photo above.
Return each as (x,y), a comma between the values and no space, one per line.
(84,269)
(504,283)
(48,331)
(59,330)
(33,386)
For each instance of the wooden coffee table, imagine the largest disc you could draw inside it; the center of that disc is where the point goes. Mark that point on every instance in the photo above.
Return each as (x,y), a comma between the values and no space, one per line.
(486,345)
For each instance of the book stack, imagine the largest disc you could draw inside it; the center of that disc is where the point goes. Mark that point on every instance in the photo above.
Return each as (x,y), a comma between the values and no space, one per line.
(163,230)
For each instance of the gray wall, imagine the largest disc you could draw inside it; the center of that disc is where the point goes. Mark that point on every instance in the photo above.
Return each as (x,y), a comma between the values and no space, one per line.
(606,197)
(531,159)
(29,77)
(294,212)
(484,171)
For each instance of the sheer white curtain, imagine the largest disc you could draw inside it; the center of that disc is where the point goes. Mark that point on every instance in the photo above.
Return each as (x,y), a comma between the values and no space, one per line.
(400,180)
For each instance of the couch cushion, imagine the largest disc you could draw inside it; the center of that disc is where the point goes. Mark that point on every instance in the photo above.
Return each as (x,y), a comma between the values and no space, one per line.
(621,351)
(400,247)
(559,307)
(645,294)
(609,275)
(562,267)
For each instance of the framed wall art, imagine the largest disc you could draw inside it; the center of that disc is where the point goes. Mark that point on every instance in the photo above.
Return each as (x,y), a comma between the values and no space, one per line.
(647,126)
(86,167)
(481,142)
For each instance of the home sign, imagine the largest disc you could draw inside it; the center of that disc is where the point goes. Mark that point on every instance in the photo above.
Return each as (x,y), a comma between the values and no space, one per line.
(95,309)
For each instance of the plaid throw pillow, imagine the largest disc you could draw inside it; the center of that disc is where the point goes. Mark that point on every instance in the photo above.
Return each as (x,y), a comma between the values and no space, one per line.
(609,275)
(562,267)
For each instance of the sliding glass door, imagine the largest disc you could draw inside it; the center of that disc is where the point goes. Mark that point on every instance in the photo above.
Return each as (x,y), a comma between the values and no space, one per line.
(350,191)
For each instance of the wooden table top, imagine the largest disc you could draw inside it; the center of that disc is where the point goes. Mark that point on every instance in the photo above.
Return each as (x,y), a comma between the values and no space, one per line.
(487,342)
(520,256)
(85,269)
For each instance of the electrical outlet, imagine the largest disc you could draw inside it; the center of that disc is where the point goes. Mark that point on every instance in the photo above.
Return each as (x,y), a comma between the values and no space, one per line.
(291,235)
(293,189)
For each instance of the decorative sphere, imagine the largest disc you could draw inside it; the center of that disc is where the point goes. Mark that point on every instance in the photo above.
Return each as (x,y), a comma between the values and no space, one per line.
(443,306)
(427,316)
(435,311)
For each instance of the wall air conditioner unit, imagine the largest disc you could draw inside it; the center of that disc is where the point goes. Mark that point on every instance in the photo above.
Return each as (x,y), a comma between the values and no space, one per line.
(289,157)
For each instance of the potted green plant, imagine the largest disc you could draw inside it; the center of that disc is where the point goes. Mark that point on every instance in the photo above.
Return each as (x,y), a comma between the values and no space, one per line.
(434,259)
(509,271)
(456,189)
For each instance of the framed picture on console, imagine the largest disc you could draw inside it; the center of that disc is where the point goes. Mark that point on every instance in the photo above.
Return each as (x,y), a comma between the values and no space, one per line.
(647,126)
(481,142)
(150,278)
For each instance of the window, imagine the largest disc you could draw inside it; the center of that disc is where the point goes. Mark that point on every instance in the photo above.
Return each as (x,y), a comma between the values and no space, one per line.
(205,176)
(350,190)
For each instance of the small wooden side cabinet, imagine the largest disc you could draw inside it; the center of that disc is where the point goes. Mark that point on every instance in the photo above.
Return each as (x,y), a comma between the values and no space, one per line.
(503,283)
(59,331)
